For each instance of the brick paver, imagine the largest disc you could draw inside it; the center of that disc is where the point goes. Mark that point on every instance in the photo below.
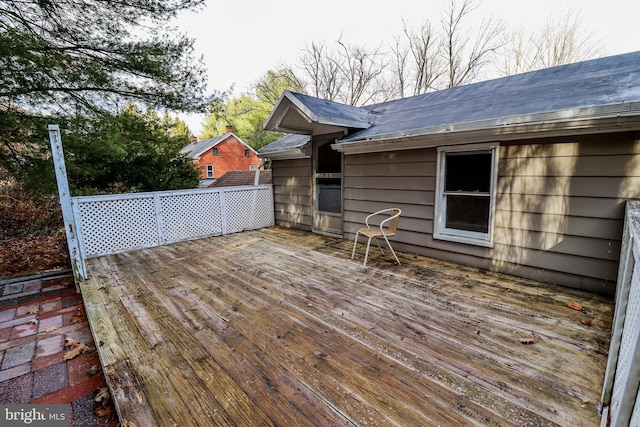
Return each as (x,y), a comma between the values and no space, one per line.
(33,368)
(18,355)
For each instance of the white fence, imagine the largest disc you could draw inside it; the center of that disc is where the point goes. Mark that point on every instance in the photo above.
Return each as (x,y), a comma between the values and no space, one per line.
(620,398)
(103,225)
(117,223)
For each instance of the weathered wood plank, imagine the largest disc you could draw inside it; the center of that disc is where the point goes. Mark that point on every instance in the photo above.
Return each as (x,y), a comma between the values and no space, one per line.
(281,327)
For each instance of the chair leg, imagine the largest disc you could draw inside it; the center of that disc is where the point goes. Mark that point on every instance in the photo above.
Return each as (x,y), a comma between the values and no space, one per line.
(366,254)
(392,251)
(378,243)
(353,253)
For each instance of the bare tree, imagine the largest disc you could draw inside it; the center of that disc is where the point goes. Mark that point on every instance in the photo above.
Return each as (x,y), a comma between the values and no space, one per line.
(350,74)
(560,41)
(467,56)
(425,67)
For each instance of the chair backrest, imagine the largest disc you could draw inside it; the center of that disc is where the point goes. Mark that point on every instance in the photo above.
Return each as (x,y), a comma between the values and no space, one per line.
(393,221)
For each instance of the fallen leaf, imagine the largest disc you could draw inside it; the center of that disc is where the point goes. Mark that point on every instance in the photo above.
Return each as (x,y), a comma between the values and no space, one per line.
(77,318)
(101,395)
(70,342)
(34,311)
(320,355)
(102,410)
(33,321)
(527,340)
(574,305)
(51,329)
(74,352)
(587,321)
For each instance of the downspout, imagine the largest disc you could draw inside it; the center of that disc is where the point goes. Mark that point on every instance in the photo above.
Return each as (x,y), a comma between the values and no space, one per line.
(256,180)
(254,199)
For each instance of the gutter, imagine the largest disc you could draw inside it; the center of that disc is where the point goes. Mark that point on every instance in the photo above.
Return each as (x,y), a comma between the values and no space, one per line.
(580,121)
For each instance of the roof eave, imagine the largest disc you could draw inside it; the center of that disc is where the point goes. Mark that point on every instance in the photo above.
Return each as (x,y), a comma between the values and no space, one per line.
(289,103)
(607,119)
(291,153)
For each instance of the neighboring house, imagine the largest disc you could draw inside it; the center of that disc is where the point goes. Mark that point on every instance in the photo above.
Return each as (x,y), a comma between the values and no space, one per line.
(216,156)
(240,178)
(526,174)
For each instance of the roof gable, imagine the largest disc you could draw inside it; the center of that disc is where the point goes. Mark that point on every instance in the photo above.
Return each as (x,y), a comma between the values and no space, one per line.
(298,113)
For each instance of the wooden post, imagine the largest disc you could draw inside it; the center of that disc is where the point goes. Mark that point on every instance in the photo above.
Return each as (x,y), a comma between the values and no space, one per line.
(71,230)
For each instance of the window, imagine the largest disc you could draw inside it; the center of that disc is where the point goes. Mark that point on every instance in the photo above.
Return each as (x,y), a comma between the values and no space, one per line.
(465,194)
(209,171)
(246,153)
(214,151)
(252,167)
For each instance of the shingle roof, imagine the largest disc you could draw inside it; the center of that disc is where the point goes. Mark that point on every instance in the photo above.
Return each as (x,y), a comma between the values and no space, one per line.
(595,83)
(238,178)
(194,150)
(287,142)
(596,88)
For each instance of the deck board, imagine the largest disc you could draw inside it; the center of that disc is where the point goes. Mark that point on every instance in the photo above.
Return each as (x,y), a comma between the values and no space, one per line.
(280,327)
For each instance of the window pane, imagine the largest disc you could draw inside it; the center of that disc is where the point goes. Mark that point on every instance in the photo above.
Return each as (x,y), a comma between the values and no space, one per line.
(329,160)
(469,213)
(328,194)
(468,172)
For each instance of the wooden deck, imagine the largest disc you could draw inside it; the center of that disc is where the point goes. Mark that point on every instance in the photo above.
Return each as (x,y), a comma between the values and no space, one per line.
(279,327)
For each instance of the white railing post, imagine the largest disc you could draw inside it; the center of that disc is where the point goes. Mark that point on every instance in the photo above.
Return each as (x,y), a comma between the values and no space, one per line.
(71,230)
(223,211)
(158,214)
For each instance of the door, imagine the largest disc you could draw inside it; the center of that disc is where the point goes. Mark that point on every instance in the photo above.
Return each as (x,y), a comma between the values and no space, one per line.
(327,187)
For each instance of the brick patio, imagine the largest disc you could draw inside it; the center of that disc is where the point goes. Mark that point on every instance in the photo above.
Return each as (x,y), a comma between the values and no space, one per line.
(36,316)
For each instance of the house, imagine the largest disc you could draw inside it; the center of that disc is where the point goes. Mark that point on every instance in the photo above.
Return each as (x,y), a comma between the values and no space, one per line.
(526,174)
(216,156)
(242,178)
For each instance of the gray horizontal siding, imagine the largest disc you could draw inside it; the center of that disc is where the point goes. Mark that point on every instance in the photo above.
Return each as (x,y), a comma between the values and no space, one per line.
(292,188)
(558,215)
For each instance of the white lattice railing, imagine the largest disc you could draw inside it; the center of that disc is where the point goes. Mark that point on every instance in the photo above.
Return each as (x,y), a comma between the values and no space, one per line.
(620,399)
(117,223)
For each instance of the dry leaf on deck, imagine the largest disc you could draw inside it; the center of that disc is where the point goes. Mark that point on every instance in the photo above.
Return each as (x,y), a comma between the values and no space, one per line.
(34,311)
(51,329)
(527,340)
(587,321)
(574,305)
(74,352)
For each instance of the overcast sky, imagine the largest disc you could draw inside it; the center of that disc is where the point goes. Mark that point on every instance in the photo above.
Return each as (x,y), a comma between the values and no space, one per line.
(240,41)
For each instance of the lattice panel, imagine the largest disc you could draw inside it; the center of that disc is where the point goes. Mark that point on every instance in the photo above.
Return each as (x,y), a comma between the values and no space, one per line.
(189,216)
(630,331)
(114,225)
(240,213)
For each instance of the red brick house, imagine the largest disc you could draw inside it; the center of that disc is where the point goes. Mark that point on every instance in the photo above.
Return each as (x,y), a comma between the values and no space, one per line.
(216,156)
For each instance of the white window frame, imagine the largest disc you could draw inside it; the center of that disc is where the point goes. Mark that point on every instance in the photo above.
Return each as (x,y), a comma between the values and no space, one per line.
(440,231)
(210,172)
(252,167)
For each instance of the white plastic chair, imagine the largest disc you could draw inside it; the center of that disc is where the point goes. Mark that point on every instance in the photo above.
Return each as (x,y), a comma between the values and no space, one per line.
(391,224)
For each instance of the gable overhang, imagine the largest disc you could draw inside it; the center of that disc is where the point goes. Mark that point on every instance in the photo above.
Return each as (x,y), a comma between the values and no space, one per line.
(290,154)
(582,121)
(290,115)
